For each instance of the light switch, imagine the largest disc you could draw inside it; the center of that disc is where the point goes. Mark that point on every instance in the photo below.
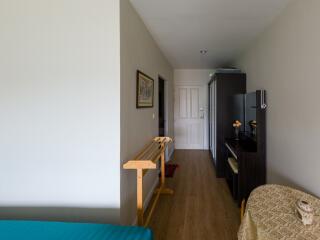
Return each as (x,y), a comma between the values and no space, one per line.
(153,116)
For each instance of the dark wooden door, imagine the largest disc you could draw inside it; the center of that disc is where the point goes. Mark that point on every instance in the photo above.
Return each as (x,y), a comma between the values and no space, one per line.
(161,108)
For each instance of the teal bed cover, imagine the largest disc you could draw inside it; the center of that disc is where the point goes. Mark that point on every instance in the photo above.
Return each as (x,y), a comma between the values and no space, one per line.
(38,230)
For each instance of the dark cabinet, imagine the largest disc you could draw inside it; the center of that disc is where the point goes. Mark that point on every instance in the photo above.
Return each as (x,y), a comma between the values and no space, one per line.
(248,154)
(221,87)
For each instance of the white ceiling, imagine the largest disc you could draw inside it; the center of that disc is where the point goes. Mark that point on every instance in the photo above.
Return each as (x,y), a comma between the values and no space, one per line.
(224,27)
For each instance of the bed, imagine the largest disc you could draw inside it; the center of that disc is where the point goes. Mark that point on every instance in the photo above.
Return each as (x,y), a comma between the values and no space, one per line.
(40,230)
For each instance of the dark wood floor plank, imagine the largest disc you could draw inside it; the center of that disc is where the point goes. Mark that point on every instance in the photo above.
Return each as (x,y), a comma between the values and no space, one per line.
(201,208)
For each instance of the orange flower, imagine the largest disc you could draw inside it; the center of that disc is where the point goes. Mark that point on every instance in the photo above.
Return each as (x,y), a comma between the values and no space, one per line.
(237,124)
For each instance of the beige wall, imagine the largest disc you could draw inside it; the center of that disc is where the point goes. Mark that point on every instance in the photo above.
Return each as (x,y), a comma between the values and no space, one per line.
(60,109)
(285,61)
(138,51)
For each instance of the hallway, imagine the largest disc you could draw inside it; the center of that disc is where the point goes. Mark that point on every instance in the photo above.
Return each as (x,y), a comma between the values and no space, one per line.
(201,208)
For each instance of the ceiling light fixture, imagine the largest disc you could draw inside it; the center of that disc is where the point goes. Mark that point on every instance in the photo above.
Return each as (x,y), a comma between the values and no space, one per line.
(203,51)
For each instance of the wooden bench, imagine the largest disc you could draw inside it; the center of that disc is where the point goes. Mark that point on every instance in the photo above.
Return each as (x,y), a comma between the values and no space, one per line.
(147,159)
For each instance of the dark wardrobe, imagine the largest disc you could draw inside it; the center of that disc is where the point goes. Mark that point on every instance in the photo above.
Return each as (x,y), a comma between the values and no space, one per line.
(221,87)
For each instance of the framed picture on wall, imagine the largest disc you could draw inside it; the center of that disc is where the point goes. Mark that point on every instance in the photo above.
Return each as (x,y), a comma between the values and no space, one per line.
(145,90)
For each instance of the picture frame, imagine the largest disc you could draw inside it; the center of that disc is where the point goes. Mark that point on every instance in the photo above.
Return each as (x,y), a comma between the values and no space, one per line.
(145,91)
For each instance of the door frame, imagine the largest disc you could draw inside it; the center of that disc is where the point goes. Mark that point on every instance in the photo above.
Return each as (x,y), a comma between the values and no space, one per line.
(166,111)
(212,117)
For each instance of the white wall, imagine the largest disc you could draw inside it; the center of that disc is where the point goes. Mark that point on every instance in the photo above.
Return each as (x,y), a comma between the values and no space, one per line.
(138,51)
(198,77)
(285,61)
(60,106)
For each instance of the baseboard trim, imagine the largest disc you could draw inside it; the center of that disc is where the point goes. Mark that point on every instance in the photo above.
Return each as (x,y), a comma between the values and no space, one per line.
(170,154)
(148,198)
(150,194)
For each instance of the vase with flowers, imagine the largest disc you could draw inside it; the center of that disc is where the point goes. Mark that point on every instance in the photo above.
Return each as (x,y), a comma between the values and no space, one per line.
(236,125)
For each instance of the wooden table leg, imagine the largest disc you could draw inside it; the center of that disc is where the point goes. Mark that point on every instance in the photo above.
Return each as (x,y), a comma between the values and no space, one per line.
(162,189)
(163,171)
(139,197)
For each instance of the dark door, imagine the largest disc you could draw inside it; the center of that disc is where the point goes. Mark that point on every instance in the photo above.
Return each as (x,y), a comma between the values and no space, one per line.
(161,108)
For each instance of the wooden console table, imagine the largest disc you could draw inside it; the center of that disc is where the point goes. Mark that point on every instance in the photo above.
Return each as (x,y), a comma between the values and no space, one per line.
(147,159)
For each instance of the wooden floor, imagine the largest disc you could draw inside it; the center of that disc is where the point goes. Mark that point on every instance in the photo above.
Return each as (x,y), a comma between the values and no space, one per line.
(201,208)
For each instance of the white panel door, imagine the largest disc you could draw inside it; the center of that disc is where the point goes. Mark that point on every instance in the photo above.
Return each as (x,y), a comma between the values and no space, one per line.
(189,117)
